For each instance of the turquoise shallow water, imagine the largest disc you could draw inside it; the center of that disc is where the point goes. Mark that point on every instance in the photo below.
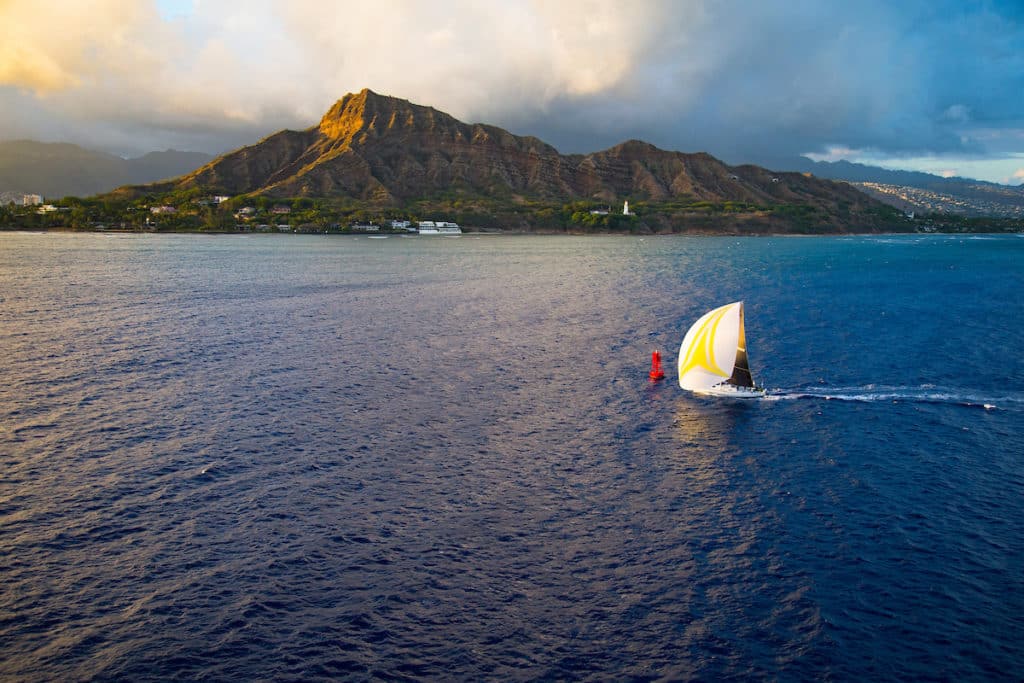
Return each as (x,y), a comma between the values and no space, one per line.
(301,457)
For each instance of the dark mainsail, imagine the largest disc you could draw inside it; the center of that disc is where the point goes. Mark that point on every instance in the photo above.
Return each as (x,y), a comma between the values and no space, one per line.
(741,370)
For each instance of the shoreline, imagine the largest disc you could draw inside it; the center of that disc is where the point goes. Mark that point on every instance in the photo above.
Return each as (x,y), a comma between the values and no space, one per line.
(507,233)
(541,233)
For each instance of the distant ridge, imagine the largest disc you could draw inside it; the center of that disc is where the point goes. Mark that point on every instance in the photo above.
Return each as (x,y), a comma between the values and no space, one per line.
(388,150)
(371,146)
(60,169)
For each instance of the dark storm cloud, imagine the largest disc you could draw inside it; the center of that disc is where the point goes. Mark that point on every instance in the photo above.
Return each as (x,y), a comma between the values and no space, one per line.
(755,81)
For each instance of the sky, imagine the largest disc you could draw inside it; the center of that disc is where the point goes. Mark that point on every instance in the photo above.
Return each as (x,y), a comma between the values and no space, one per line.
(930,85)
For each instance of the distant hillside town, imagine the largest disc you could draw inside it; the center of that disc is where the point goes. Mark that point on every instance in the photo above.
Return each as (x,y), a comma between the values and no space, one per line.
(984,200)
(20,198)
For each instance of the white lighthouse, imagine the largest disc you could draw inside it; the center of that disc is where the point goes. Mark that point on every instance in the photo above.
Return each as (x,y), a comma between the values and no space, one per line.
(625,208)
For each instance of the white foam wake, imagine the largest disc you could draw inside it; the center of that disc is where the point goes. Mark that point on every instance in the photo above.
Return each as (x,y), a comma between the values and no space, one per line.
(896,394)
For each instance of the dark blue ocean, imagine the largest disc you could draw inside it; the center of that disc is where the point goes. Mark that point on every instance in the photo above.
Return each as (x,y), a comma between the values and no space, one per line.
(299,458)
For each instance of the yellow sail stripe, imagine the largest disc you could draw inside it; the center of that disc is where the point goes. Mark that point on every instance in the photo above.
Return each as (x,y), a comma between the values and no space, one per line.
(701,353)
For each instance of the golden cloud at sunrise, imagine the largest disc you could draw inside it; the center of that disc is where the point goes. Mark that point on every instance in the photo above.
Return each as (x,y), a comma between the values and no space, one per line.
(50,47)
(533,50)
(294,58)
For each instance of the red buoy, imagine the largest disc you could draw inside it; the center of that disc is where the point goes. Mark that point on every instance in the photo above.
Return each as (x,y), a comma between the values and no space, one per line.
(656,371)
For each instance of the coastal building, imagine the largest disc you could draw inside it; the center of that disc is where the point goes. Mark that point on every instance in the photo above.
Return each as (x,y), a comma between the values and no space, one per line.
(31,199)
(439,228)
(600,212)
(281,209)
(162,210)
(365,227)
(400,225)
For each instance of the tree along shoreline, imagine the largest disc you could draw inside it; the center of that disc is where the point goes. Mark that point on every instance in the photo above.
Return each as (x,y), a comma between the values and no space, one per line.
(195,213)
(948,230)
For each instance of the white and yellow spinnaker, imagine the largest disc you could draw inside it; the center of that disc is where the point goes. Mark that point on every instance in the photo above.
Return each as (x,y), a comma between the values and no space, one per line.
(713,352)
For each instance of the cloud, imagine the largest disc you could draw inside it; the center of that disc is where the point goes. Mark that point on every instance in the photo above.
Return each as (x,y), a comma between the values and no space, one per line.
(121,74)
(741,79)
(1017,178)
(956,113)
(690,75)
(46,49)
(733,76)
(471,58)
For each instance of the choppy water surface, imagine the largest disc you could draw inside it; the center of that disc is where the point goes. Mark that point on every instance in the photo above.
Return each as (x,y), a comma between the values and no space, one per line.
(293,458)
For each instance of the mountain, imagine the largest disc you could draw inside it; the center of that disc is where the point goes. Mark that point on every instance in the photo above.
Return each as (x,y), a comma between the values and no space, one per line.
(59,169)
(388,151)
(914,190)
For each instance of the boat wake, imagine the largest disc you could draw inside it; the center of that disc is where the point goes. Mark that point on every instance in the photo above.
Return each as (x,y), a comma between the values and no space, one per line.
(895,394)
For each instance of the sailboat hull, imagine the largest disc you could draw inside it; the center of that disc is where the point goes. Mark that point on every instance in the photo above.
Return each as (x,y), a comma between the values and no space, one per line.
(730,391)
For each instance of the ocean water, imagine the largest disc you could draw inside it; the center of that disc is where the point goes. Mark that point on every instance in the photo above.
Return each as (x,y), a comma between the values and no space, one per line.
(321,457)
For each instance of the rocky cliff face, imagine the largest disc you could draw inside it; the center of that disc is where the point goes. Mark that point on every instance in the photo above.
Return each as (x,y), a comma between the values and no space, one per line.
(384,149)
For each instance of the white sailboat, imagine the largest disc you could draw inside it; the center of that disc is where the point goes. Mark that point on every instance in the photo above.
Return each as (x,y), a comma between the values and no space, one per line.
(713,355)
